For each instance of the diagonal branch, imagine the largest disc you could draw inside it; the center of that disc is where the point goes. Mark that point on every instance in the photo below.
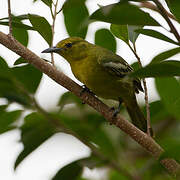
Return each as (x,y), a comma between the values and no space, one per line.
(10,17)
(140,137)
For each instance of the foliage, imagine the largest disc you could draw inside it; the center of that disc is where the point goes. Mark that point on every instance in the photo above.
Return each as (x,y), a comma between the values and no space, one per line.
(18,84)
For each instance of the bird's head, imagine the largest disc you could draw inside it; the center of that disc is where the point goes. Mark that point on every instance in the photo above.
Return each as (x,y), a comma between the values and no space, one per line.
(72,49)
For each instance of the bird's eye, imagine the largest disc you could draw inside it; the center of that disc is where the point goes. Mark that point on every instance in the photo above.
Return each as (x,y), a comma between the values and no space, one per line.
(68,45)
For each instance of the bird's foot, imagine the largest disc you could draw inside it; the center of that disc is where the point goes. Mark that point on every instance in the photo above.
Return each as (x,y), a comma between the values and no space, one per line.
(115,113)
(86,89)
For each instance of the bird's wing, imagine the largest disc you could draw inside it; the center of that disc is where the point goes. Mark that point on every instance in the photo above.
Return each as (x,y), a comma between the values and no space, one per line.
(115,65)
(118,67)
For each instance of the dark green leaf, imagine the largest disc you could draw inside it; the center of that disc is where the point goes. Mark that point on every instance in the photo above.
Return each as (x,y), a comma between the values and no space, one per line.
(174,6)
(120,31)
(104,38)
(21,35)
(168,89)
(7,119)
(29,76)
(41,25)
(114,175)
(47,2)
(3,107)
(17,18)
(123,13)
(71,171)
(17,24)
(68,98)
(162,69)
(20,61)
(165,55)
(156,34)
(35,130)
(75,17)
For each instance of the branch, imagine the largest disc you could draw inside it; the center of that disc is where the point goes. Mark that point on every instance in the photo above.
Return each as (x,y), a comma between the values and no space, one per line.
(149,129)
(10,17)
(140,137)
(163,12)
(151,6)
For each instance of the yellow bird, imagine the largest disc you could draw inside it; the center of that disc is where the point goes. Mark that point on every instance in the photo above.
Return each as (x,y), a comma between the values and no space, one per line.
(104,73)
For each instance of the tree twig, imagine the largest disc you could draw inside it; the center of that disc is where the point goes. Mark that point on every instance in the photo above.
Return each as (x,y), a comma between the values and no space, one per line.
(151,6)
(149,129)
(165,15)
(140,137)
(10,18)
(53,26)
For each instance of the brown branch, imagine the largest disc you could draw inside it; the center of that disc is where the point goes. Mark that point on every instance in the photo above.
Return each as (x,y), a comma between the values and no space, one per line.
(140,137)
(165,15)
(151,6)
(10,18)
(52,27)
(149,129)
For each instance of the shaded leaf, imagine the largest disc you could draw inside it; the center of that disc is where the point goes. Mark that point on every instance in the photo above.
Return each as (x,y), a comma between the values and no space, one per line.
(114,175)
(35,130)
(174,6)
(133,35)
(162,69)
(7,119)
(21,35)
(41,25)
(75,17)
(20,61)
(29,76)
(71,171)
(165,55)
(47,2)
(168,89)
(104,38)
(156,34)
(120,31)
(17,24)
(68,98)
(123,13)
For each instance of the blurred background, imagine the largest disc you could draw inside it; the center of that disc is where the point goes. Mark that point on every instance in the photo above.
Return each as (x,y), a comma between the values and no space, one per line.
(61,148)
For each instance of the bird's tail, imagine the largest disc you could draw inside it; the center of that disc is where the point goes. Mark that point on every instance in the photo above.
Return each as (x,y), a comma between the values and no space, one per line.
(137,116)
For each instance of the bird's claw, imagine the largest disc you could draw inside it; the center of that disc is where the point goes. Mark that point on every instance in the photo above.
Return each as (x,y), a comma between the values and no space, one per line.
(86,89)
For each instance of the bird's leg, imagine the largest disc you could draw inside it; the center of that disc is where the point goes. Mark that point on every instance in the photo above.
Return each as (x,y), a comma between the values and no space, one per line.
(86,89)
(47,60)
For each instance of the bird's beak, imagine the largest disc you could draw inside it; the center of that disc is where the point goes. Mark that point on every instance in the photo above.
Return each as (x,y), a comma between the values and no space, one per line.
(51,50)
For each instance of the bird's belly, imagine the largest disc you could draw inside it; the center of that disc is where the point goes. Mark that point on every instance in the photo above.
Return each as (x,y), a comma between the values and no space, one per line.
(100,82)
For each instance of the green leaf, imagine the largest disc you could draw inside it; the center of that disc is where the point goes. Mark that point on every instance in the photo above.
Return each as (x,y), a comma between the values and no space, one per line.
(174,6)
(71,171)
(104,38)
(29,76)
(20,61)
(35,130)
(68,98)
(7,119)
(21,35)
(75,18)
(165,55)
(162,69)
(16,24)
(47,2)
(123,13)
(168,89)
(120,31)
(156,34)
(114,175)
(133,35)
(41,25)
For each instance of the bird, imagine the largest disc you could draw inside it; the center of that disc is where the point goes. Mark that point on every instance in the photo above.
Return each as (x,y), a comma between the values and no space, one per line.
(104,73)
